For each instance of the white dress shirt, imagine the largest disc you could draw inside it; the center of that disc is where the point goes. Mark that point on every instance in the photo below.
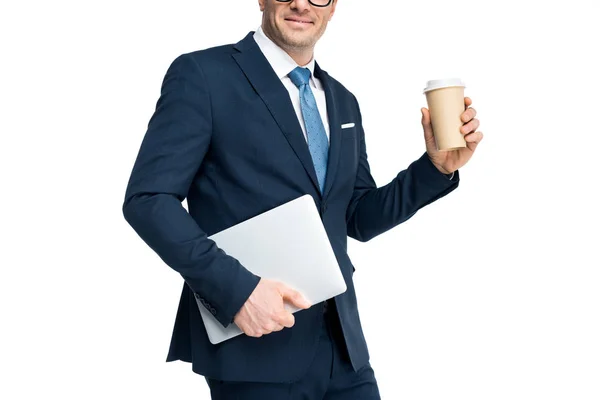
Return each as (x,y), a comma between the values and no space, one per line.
(283,64)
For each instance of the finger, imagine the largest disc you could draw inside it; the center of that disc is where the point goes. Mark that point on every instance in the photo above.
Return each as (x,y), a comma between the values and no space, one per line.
(474,137)
(425,116)
(294,297)
(285,319)
(252,333)
(468,115)
(468,102)
(470,127)
(272,326)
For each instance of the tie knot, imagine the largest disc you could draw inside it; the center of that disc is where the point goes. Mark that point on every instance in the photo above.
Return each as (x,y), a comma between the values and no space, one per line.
(300,76)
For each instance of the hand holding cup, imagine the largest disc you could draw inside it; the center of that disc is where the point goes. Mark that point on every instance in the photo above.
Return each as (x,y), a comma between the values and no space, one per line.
(449,125)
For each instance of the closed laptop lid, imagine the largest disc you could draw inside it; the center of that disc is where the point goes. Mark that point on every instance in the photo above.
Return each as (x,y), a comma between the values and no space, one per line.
(287,244)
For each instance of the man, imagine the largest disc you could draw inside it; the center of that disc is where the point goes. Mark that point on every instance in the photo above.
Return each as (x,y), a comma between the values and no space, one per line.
(238,130)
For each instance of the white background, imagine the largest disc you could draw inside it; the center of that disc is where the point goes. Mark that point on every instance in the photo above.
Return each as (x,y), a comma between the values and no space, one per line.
(493,291)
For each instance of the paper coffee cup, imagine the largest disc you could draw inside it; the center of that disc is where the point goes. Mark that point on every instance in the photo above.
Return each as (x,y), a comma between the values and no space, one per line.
(446,103)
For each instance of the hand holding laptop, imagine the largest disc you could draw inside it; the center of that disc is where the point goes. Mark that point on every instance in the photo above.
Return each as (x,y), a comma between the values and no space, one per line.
(286,246)
(264,311)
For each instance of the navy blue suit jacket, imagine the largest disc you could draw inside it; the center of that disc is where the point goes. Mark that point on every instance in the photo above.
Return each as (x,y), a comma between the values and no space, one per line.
(225,135)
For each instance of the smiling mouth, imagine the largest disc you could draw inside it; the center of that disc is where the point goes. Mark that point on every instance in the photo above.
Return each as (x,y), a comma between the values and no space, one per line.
(298,22)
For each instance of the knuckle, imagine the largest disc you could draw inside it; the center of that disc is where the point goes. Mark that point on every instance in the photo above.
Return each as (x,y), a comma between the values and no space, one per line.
(273,316)
(280,319)
(270,327)
(257,333)
(284,320)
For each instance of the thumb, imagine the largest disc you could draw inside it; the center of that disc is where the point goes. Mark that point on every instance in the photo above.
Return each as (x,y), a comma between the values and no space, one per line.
(428,131)
(294,297)
(426,122)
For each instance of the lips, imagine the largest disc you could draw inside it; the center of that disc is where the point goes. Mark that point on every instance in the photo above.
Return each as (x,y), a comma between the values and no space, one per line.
(299,20)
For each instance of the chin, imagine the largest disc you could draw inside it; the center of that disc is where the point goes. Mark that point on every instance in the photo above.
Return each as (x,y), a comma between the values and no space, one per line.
(294,39)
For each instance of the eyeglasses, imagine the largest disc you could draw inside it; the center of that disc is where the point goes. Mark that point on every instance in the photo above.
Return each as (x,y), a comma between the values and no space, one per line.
(316,3)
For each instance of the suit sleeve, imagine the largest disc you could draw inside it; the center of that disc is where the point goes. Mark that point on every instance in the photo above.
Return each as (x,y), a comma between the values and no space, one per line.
(173,148)
(374,210)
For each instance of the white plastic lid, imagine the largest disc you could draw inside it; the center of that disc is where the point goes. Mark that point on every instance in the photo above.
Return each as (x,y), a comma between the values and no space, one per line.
(442,83)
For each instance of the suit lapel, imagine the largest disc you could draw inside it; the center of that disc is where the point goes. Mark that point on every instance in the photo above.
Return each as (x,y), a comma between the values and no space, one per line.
(335,134)
(275,96)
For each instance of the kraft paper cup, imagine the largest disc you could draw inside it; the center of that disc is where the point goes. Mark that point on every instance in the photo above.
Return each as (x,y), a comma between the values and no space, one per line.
(446,103)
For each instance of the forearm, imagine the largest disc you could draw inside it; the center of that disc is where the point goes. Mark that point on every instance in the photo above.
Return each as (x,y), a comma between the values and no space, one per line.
(373,210)
(162,222)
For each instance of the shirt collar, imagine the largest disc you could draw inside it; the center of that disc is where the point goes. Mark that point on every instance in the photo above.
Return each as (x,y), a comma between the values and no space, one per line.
(280,61)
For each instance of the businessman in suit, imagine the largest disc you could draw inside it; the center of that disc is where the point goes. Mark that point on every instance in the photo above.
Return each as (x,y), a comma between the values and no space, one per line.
(238,130)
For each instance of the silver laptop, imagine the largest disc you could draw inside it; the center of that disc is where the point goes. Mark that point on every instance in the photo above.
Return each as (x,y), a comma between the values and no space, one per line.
(288,244)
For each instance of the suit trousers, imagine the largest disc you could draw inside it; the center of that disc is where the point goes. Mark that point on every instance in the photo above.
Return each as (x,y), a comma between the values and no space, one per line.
(330,376)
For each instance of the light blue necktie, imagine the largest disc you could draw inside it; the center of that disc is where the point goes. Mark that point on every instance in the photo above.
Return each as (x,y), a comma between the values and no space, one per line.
(318,145)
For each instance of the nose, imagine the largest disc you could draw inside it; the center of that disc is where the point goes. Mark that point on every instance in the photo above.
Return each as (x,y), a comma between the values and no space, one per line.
(300,5)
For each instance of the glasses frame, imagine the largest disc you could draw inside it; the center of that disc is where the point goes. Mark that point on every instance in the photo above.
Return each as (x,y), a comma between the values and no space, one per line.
(310,1)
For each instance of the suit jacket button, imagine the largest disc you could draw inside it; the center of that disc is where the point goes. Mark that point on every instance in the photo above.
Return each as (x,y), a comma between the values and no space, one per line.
(213,311)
